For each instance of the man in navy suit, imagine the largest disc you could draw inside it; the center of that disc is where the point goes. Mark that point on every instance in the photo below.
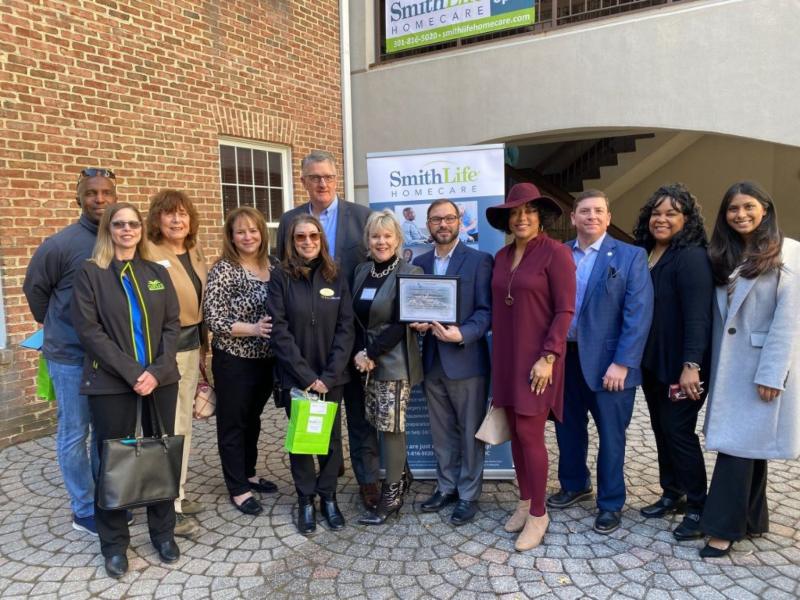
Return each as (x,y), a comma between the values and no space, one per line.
(456,363)
(343,223)
(605,342)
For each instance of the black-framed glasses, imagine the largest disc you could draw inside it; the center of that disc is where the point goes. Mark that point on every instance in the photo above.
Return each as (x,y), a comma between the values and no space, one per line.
(318,178)
(96,172)
(120,225)
(449,219)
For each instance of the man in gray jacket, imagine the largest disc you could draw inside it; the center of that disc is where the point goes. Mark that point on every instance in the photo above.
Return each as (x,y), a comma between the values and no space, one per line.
(48,289)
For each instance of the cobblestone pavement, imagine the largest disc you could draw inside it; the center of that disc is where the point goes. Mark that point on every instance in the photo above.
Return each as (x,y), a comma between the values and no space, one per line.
(418,556)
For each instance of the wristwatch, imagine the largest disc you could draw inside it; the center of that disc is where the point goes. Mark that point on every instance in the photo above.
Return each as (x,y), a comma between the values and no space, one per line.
(692,365)
(549,358)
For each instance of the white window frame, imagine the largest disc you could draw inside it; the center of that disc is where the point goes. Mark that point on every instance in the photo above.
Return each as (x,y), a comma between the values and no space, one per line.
(286,167)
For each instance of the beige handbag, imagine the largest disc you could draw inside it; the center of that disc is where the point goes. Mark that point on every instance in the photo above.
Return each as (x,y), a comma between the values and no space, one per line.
(494,429)
(205,399)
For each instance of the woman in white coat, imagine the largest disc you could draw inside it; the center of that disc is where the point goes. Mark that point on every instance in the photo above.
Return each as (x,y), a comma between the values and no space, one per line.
(753,409)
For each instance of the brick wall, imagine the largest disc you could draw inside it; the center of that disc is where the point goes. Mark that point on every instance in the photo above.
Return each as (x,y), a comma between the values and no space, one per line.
(145,87)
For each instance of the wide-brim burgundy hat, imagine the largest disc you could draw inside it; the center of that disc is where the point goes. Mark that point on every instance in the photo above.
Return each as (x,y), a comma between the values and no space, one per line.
(520,194)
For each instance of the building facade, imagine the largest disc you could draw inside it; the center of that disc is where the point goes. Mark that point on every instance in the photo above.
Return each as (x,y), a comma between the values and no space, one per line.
(219,98)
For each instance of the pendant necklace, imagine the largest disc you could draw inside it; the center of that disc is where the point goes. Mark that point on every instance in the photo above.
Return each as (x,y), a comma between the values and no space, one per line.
(509,297)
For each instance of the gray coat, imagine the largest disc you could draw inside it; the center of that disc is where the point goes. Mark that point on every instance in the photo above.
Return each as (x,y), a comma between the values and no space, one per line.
(756,341)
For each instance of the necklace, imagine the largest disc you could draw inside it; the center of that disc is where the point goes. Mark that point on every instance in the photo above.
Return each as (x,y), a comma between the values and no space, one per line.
(386,271)
(653,258)
(509,297)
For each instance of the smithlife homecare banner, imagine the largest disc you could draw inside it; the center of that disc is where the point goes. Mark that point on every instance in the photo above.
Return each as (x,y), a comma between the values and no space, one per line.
(414,23)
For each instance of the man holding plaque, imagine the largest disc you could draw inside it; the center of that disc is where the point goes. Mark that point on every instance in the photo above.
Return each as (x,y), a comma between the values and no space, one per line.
(605,342)
(456,363)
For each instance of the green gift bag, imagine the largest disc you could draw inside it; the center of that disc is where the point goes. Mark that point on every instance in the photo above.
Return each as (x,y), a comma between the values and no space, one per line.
(44,385)
(310,423)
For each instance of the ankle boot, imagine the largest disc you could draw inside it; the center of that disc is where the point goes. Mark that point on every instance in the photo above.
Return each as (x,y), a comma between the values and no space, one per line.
(517,519)
(391,502)
(306,514)
(533,532)
(406,479)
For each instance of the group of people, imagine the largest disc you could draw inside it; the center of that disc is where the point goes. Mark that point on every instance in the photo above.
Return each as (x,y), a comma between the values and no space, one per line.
(576,327)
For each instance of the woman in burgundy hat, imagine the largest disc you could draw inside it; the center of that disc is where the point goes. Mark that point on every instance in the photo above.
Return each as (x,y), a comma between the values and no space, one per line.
(533,300)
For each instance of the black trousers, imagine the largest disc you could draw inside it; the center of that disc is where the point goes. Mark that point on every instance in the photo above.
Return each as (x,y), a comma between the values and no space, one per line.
(114,416)
(681,467)
(737,499)
(364,448)
(304,472)
(243,386)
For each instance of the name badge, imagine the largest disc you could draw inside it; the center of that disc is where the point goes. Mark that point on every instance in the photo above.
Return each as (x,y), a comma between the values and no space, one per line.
(368,293)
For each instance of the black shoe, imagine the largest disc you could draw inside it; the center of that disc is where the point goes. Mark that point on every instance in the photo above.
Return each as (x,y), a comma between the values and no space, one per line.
(607,521)
(689,529)
(710,552)
(251,506)
(116,565)
(306,515)
(464,512)
(264,486)
(565,498)
(406,479)
(390,503)
(330,510)
(168,551)
(438,501)
(663,507)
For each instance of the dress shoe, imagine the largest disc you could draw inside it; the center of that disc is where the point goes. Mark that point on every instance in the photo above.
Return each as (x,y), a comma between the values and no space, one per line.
(306,515)
(663,507)
(264,486)
(330,510)
(564,498)
(517,519)
(708,551)
(464,512)
(390,504)
(370,495)
(168,551)
(689,529)
(251,506)
(438,501)
(189,507)
(407,478)
(116,565)
(532,533)
(607,521)
(184,526)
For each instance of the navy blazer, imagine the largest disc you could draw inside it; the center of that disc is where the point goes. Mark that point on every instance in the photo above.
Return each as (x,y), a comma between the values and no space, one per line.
(614,318)
(471,357)
(351,220)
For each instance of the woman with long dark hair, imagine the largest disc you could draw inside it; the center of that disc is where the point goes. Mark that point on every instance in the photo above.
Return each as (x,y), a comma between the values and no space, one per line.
(753,411)
(676,356)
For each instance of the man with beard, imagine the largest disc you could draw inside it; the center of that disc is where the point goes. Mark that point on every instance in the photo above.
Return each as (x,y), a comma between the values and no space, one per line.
(456,363)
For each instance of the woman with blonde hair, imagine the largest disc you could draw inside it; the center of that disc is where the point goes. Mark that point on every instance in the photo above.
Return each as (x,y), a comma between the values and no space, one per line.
(125,312)
(388,354)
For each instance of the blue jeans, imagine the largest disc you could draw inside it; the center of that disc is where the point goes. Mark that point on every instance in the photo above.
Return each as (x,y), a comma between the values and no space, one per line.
(73,429)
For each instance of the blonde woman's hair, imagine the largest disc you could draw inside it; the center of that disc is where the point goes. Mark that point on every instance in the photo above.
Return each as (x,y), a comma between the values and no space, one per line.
(383,219)
(103,252)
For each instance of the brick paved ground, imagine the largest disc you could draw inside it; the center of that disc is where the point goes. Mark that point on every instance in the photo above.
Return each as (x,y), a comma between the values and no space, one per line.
(418,556)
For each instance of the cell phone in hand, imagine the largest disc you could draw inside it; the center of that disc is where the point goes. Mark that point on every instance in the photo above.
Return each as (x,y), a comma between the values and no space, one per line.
(676,393)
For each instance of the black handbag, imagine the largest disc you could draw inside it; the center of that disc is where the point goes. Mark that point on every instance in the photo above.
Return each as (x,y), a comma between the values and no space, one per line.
(140,470)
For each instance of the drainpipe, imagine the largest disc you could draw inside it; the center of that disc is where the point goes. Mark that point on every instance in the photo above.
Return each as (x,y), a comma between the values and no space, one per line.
(347,106)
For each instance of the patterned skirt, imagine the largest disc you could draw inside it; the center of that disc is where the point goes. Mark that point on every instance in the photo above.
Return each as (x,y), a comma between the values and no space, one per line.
(385,404)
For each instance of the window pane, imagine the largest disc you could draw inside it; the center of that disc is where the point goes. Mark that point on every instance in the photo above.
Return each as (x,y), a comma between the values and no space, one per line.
(245,196)
(275,175)
(259,167)
(227,159)
(245,167)
(262,201)
(228,198)
(275,204)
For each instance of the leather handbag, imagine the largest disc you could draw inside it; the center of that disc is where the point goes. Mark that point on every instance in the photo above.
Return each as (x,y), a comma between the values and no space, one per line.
(494,429)
(205,398)
(140,470)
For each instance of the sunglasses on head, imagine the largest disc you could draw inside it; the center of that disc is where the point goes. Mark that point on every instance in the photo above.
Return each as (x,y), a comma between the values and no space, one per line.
(95,172)
(302,237)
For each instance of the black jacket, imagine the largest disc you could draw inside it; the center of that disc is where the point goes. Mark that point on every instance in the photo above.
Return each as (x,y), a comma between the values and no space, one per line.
(681,330)
(102,319)
(312,329)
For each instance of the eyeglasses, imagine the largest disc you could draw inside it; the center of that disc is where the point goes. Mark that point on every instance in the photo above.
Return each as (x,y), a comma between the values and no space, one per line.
(449,219)
(129,224)
(95,172)
(302,237)
(319,178)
